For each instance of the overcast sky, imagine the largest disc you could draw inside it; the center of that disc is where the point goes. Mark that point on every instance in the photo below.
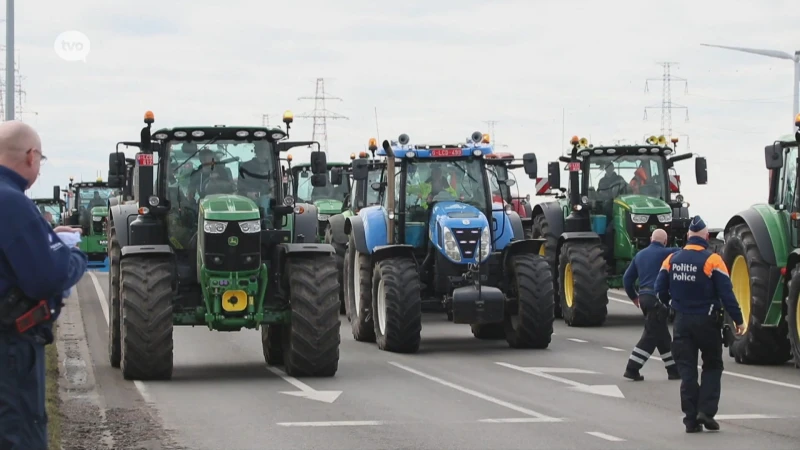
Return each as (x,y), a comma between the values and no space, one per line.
(435,69)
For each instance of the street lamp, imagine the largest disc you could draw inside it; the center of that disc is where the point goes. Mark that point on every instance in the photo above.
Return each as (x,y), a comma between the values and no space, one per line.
(780,55)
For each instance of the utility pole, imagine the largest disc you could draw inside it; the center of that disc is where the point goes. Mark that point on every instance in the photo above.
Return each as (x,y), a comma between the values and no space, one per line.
(9,95)
(666,106)
(320,114)
(491,124)
(780,55)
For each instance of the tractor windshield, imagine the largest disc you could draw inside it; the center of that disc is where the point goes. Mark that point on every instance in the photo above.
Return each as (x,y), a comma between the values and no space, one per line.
(307,193)
(432,180)
(373,196)
(51,212)
(612,176)
(89,197)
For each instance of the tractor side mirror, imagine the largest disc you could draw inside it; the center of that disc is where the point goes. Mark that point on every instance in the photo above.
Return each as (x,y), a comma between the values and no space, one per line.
(56,193)
(336,176)
(304,173)
(529,163)
(319,163)
(319,180)
(554,175)
(116,170)
(773,156)
(509,182)
(701,170)
(376,186)
(360,169)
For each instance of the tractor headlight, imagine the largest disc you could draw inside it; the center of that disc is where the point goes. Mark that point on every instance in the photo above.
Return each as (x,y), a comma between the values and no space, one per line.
(665,218)
(639,218)
(97,218)
(213,227)
(450,245)
(323,217)
(486,244)
(250,226)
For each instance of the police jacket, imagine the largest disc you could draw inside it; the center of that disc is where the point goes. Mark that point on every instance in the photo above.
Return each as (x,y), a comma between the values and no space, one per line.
(32,257)
(697,280)
(645,267)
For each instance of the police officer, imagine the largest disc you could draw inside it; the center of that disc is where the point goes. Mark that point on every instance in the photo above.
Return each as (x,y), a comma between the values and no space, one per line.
(34,265)
(697,282)
(645,266)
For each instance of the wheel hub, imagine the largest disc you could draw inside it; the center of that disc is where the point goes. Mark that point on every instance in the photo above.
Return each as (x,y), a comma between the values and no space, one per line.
(740,279)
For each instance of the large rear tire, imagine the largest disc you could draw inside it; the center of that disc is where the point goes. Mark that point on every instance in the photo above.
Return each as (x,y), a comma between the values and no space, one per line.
(541,229)
(146,295)
(793,314)
(397,305)
(272,344)
(114,342)
(311,341)
(530,282)
(359,293)
(582,284)
(339,255)
(750,278)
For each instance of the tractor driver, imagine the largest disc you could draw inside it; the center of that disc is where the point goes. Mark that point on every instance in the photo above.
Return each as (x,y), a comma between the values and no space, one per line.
(261,166)
(207,180)
(96,201)
(610,179)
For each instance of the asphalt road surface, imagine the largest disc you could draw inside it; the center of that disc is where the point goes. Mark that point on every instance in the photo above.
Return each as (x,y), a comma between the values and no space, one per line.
(456,393)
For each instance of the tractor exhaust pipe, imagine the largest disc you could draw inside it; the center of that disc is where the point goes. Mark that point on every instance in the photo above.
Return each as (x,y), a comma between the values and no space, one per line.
(390,189)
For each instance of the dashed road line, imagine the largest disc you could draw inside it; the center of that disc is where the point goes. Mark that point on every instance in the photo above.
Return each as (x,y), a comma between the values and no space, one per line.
(339,423)
(577,340)
(614,349)
(747,416)
(518,420)
(607,437)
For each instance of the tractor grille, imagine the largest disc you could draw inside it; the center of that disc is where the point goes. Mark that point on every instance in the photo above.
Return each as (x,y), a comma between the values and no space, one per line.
(467,239)
(99,227)
(222,256)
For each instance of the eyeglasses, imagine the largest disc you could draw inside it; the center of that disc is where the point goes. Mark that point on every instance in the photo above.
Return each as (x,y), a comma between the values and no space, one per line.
(42,158)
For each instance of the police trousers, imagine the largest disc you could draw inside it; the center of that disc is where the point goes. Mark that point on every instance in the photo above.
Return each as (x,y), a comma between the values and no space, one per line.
(23,419)
(698,333)
(655,335)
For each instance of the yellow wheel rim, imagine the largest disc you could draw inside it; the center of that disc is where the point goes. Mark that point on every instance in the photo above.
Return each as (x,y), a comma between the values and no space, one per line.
(568,287)
(740,278)
(541,250)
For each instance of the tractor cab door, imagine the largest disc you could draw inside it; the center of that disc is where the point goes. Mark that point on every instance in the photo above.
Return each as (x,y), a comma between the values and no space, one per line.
(787,195)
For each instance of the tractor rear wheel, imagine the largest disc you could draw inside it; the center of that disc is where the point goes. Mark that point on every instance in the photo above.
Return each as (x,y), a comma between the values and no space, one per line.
(582,284)
(793,314)
(339,255)
(749,275)
(397,305)
(716,245)
(359,293)
(541,229)
(489,331)
(114,343)
(272,344)
(531,284)
(146,294)
(311,340)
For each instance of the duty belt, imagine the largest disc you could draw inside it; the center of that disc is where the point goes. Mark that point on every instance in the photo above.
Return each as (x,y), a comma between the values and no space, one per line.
(21,313)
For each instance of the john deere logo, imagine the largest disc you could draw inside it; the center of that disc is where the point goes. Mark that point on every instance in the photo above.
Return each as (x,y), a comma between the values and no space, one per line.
(233,241)
(652,228)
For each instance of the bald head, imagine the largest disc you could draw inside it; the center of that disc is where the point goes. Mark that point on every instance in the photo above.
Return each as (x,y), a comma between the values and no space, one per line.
(659,236)
(21,149)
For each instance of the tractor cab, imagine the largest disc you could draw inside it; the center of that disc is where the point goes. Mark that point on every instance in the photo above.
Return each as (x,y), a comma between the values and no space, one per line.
(52,209)
(328,198)
(88,206)
(504,186)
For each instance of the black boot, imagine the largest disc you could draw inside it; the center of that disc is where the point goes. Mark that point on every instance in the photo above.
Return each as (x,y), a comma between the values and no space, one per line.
(708,422)
(694,428)
(633,375)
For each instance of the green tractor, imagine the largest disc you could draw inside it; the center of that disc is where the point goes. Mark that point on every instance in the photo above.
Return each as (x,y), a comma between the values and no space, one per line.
(88,210)
(328,198)
(362,193)
(761,252)
(594,228)
(233,254)
(52,209)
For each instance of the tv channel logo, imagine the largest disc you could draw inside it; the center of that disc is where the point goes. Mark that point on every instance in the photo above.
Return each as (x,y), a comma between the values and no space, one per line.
(72,46)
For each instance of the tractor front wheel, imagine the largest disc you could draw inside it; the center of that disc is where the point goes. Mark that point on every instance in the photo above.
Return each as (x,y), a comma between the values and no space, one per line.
(114,343)
(146,295)
(359,293)
(750,276)
(339,255)
(311,339)
(397,305)
(531,284)
(793,314)
(582,284)
(541,230)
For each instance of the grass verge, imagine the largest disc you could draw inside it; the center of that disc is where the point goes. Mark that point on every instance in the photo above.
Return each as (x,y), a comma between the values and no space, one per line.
(52,398)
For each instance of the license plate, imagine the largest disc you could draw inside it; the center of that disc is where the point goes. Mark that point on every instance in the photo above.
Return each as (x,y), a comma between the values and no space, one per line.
(574,167)
(446,152)
(145,159)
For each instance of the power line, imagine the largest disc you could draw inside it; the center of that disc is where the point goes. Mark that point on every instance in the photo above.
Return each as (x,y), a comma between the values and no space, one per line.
(320,114)
(491,124)
(667,105)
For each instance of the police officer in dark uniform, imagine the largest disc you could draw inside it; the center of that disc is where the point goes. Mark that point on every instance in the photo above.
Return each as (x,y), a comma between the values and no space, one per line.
(35,269)
(646,266)
(697,282)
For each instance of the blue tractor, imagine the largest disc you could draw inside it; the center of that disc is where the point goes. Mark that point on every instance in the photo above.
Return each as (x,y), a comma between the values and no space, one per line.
(437,236)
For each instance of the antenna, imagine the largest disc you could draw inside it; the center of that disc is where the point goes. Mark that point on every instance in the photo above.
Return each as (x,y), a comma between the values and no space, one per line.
(666,106)
(377,130)
(320,114)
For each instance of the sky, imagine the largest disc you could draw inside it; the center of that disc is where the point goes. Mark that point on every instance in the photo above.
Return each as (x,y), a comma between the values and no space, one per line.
(435,69)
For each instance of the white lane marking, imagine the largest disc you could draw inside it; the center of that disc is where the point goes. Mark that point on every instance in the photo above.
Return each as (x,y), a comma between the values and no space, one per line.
(614,349)
(101,297)
(625,302)
(750,377)
(305,391)
(577,340)
(477,394)
(607,437)
(517,420)
(746,416)
(608,390)
(341,423)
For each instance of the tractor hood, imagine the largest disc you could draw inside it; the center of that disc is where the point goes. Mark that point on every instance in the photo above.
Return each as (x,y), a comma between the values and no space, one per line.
(328,206)
(642,204)
(458,215)
(466,223)
(228,207)
(99,211)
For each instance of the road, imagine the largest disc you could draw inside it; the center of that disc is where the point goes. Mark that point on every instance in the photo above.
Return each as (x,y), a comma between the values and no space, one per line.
(456,393)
